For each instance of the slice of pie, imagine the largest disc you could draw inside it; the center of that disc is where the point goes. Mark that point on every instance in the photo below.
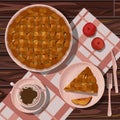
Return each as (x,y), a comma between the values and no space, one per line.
(82,101)
(84,82)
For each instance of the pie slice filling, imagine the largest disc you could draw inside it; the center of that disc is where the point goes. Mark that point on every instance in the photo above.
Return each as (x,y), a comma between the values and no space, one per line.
(84,82)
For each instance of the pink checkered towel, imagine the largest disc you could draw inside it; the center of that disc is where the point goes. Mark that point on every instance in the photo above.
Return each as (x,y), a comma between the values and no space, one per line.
(85,52)
(57,108)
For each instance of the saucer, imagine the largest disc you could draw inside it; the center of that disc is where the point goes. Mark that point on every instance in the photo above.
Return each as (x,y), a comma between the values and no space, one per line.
(15,91)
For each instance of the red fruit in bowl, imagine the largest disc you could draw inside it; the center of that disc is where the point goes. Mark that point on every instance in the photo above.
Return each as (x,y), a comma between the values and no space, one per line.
(89,29)
(98,43)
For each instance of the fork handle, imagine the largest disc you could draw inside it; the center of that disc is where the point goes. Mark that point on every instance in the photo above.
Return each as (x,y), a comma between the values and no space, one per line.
(109,112)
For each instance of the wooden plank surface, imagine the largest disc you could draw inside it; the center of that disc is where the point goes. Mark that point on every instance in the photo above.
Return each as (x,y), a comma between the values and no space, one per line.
(67,8)
(107,11)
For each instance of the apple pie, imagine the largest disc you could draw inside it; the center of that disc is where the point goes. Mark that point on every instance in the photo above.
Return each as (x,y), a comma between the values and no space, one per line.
(38,37)
(82,101)
(84,82)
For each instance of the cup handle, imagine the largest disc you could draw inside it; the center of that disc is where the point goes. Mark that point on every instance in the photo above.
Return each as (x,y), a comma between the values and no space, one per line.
(12,83)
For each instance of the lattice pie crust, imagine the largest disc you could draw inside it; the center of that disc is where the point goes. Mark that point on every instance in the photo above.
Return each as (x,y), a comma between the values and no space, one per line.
(38,37)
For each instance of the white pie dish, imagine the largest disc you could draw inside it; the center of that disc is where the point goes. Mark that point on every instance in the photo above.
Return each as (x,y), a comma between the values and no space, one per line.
(23,65)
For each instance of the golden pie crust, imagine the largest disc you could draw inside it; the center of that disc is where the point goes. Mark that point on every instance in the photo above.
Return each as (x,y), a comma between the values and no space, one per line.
(82,101)
(84,82)
(38,37)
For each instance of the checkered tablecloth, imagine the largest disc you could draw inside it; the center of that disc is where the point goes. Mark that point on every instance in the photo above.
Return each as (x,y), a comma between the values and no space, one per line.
(81,50)
(102,59)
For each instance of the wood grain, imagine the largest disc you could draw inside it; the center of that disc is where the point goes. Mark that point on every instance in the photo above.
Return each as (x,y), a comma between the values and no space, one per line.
(67,8)
(7,76)
(117,8)
(107,11)
(7,63)
(96,112)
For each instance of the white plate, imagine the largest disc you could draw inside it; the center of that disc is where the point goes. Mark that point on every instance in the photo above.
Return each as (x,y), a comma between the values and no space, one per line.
(70,73)
(14,94)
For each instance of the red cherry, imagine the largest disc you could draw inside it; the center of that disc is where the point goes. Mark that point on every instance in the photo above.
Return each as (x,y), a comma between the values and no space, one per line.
(89,29)
(98,43)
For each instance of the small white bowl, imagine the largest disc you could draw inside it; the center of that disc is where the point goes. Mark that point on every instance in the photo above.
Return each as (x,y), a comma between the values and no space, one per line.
(35,101)
(21,64)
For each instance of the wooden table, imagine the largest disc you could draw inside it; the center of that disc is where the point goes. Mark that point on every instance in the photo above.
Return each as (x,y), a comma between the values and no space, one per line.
(107,11)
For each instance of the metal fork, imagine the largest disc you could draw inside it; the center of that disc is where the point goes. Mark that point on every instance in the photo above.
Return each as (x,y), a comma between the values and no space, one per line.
(109,86)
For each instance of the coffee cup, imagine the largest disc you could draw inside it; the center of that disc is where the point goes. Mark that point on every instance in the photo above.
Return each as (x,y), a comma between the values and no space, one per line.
(29,96)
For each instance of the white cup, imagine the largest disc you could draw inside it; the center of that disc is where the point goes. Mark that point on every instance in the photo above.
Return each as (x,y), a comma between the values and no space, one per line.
(35,101)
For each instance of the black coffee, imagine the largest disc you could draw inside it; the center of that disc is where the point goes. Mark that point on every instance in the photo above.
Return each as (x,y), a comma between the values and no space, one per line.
(28,95)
